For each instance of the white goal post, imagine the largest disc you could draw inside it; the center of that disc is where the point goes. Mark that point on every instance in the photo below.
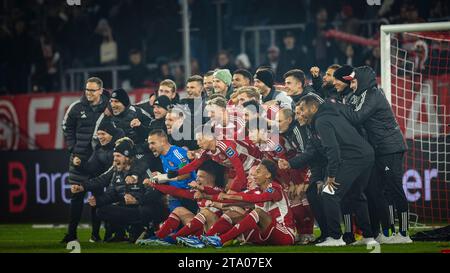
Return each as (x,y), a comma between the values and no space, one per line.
(385,47)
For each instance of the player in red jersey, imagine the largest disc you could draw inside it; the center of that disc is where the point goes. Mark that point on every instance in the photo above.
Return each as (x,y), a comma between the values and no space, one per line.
(227,121)
(294,138)
(236,155)
(210,180)
(271,222)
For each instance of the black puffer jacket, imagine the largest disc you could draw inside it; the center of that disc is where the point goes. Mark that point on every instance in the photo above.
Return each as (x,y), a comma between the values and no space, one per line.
(102,157)
(372,111)
(79,123)
(78,128)
(123,120)
(117,188)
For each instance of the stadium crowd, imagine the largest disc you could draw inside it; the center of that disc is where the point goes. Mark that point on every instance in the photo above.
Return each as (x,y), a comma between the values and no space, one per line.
(40,40)
(240,160)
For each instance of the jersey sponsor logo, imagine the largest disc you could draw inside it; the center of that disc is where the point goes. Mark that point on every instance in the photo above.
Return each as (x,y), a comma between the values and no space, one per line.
(230,152)
(83,114)
(269,190)
(278,149)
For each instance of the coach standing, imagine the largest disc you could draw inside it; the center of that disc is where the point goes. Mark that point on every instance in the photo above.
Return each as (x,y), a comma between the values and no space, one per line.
(78,127)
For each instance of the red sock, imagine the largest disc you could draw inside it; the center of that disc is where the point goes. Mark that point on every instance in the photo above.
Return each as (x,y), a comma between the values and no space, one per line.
(222,225)
(168,226)
(304,219)
(194,227)
(248,223)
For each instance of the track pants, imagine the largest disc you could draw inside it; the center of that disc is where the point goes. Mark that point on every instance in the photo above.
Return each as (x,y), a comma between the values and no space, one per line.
(353,177)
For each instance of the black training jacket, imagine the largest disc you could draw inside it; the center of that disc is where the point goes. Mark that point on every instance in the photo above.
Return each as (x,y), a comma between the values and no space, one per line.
(340,140)
(372,111)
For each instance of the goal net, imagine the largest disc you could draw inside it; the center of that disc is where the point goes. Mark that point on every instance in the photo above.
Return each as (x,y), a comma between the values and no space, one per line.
(416,79)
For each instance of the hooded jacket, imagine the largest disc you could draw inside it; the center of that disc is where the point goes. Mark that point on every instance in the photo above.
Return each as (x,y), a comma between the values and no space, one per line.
(102,157)
(371,110)
(340,140)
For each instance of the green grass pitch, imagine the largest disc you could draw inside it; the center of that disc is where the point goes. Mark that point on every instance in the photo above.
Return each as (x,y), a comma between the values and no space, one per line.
(25,239)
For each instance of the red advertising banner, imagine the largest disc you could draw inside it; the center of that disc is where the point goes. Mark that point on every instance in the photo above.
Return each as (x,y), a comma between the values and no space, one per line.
(29,122)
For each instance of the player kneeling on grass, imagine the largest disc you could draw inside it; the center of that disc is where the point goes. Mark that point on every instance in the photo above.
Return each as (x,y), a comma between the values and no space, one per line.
(210,179)
(271,222)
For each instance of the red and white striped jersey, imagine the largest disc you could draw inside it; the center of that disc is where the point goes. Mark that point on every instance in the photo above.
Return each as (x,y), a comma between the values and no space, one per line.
(274,201)
(238,156)
(234,128)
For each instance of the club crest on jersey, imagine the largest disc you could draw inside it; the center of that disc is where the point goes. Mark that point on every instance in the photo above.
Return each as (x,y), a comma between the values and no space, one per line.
(171,163)
(230,152)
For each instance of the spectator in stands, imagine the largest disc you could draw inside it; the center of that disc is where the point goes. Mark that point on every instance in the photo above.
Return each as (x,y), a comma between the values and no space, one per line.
(46,76)
(163,71)
(223,61)
(21,58)
(319,46)
(372,59)
(243,62)
(108,46)
(291,56)
(138,73)
(273,57)
(195,67)
(350,56)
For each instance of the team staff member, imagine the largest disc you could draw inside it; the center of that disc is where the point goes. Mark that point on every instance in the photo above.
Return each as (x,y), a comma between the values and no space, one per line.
(372,111)
(78,128)
(350,160)
(124,204)
(99,162)
(131,119)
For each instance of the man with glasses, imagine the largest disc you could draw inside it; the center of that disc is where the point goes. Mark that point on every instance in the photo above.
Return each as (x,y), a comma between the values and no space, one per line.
(78,127)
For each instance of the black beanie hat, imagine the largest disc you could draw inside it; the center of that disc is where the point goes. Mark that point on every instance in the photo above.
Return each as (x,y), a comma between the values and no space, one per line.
(122,96)
(163,101)
(266,76)
(343,73)
(108,126)
(125,147)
